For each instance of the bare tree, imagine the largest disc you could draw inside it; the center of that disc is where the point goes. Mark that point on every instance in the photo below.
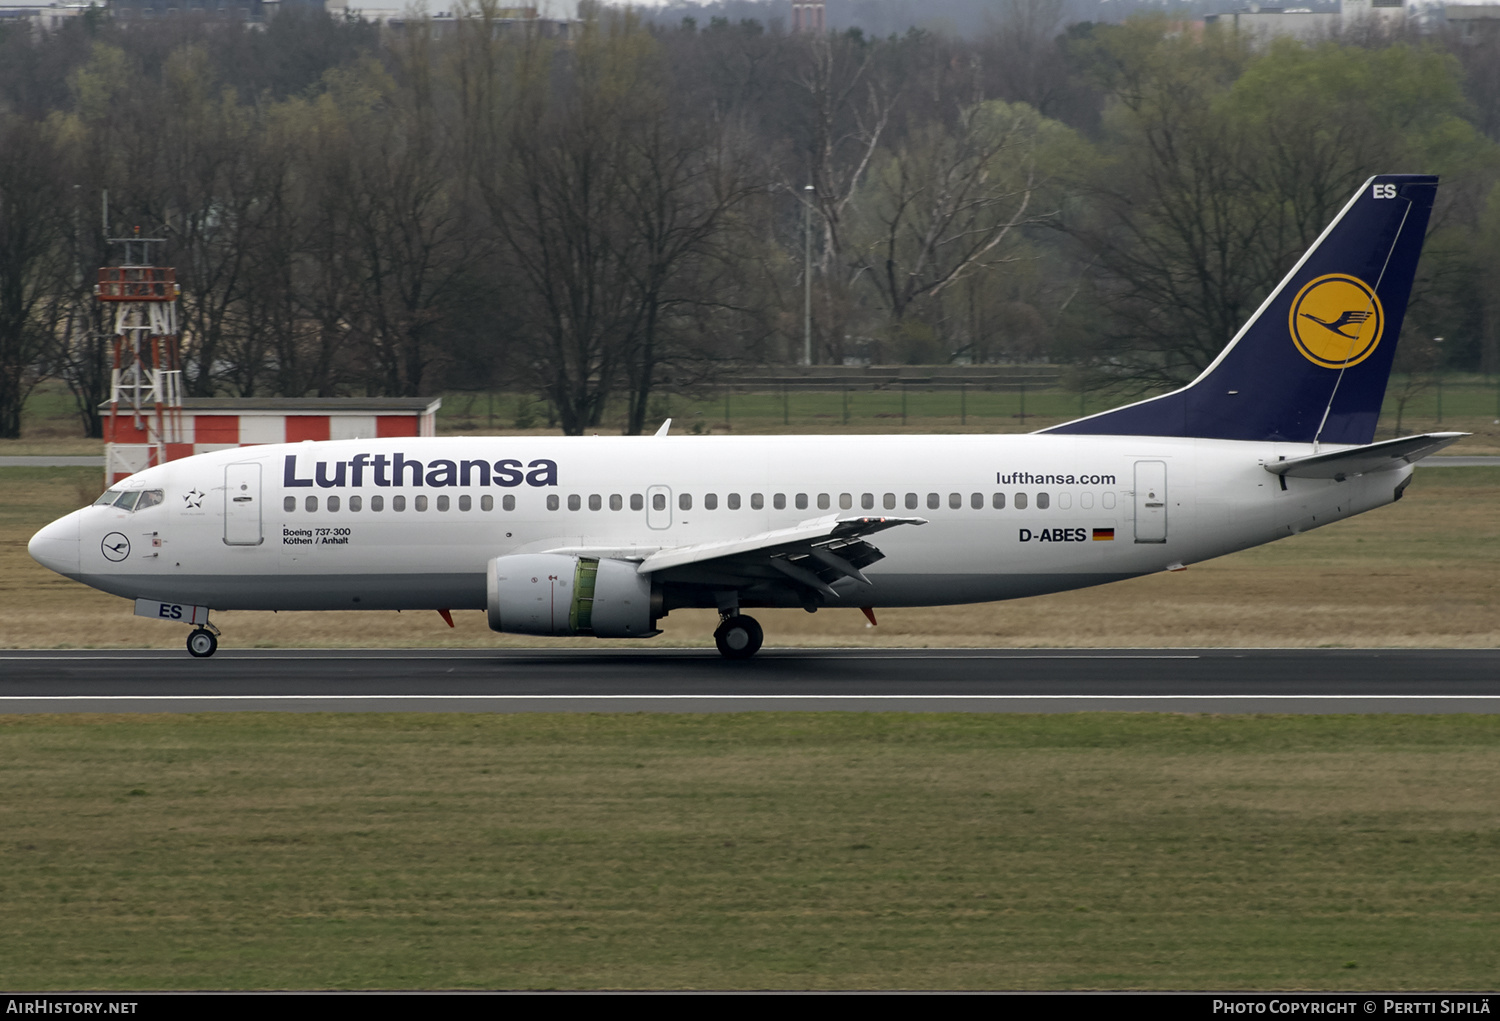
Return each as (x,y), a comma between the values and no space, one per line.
(945,204)
(608,210)
(33,260)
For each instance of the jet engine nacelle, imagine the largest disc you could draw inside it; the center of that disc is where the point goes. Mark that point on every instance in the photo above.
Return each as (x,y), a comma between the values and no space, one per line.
(560,594)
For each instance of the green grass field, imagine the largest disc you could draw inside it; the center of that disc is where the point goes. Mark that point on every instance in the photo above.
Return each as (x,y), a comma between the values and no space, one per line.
(1461,403)
(754,851)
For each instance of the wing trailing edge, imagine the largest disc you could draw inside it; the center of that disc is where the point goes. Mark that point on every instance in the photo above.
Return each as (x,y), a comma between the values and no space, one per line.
(799,540)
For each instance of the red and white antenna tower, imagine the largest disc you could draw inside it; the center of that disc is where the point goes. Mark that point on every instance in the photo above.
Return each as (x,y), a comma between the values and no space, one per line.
(809,16)
(145,400)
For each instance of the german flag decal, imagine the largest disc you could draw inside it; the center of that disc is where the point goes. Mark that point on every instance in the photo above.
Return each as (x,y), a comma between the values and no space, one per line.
(1103,534)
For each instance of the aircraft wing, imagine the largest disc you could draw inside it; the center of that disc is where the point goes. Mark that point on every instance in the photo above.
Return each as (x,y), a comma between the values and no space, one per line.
(1372,457)
(813,553)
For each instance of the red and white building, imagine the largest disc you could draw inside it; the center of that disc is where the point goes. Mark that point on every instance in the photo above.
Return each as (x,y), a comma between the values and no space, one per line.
(218,423)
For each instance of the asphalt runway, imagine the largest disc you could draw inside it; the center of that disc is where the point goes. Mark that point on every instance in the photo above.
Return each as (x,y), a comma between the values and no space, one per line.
(692,680)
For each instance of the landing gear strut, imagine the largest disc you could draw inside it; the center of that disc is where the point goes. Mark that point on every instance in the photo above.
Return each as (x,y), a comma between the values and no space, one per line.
(739,636)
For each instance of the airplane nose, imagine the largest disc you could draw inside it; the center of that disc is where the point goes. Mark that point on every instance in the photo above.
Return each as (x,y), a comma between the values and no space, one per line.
(56,546)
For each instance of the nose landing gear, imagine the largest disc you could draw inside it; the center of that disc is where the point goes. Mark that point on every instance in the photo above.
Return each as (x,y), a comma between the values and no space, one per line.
(203,642)
(739,636)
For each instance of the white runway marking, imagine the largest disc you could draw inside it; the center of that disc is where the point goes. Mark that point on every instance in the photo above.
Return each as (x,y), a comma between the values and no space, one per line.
(733,698)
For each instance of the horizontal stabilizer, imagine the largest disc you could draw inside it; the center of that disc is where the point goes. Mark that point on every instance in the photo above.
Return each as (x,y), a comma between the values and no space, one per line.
(1373,457)
(798,539)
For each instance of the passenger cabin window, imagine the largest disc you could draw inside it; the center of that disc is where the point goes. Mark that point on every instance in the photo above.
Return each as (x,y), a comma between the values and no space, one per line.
(911,501)
(867,501)
(616,502)
(779,501)
(1108,500)
(822,501)
(311,503)
(998,502)
(442,502)
(1020,501)
(638,502)
(710,501)
(1086,500)
(596,502)
(377,503)
(508,502)
(732,501)
(398,503)
(802,501)
(976,501)
(684,501)
(465,503)
(757,501)
(575,502)
(888,501)
(1064,501)
(333,503)
(955,501)
(1043,501)
(933,501)
(659,501)
(553,502)
(289,504)
(421,503)
(356,502)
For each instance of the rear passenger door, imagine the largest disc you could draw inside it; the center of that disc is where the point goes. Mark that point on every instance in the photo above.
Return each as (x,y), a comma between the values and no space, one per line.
(1151,501)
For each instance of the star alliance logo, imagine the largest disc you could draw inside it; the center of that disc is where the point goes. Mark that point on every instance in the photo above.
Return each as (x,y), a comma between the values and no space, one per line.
(193,498)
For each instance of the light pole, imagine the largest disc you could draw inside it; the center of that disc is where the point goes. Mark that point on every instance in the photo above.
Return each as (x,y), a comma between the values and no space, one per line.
(807,196)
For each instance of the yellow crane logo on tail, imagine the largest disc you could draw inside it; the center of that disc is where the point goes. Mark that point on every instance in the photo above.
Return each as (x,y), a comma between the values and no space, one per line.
(1336,321)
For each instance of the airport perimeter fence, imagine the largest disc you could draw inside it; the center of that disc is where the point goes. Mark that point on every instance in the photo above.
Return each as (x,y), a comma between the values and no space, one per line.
(1009,401)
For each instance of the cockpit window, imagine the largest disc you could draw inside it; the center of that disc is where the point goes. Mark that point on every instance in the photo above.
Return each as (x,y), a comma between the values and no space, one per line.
(132,500)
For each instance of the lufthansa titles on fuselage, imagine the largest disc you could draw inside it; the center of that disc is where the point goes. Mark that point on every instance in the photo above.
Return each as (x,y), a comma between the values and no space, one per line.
(399,471)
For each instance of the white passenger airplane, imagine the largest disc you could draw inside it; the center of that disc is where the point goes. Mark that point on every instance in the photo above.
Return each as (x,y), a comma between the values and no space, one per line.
(605,536)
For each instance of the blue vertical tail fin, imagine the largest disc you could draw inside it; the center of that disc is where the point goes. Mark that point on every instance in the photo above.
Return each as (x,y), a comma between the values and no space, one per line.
(1311,364)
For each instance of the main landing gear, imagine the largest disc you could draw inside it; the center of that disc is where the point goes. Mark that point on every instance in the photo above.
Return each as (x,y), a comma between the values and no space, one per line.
(739,636)
(202,642)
